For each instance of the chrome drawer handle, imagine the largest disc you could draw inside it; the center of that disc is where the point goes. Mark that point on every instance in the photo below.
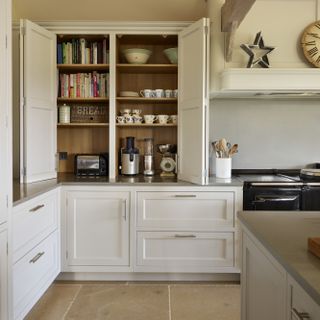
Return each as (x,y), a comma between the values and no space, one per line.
(36,208)
(185,196)
(300,315)
(185,236)
(36,257)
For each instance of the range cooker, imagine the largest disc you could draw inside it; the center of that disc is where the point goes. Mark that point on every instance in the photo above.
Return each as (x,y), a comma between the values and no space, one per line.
(280,190)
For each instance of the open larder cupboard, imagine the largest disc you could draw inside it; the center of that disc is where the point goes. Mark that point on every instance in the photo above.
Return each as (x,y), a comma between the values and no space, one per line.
(104,134)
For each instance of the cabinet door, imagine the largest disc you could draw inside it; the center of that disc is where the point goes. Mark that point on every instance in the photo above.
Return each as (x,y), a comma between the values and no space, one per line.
(193,102)
(263,284)
(98,228)
(3,274)
(38,56)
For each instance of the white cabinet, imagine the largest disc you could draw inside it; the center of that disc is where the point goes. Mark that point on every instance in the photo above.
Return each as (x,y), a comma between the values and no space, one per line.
(186,231)
(300,304)
(3,274)
(263,284)
(97,228)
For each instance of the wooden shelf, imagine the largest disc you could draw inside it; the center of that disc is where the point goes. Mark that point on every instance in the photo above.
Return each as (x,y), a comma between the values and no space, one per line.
(85,124)
(147,68)
(146,100)
(83,67)
(137,125)
(83,100)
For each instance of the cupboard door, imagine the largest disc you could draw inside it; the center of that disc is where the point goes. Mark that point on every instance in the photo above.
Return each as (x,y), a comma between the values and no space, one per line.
(3,274)
(98,228)
(193,102)
(39,99)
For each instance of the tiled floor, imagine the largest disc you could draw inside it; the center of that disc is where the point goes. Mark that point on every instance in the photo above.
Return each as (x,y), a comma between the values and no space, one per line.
(138,301)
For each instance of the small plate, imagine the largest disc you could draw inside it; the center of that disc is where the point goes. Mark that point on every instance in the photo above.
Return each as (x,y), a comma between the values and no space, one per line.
(129,94)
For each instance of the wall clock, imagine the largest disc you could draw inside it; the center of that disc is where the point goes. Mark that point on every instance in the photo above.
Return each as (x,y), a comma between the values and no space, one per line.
(310,43)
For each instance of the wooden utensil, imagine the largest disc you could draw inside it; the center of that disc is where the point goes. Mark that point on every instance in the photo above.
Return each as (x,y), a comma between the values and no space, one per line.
(233,150)
(314,246)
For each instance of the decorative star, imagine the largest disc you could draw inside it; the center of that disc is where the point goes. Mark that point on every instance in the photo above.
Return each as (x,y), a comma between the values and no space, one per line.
(258,52)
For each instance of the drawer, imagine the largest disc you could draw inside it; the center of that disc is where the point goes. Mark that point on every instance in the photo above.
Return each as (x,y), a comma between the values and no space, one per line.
(34,273)
(302,304)
(33,221)
(205,211)
(184,251)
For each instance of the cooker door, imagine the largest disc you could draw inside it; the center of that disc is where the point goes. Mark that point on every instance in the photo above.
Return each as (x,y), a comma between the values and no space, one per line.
(311,198)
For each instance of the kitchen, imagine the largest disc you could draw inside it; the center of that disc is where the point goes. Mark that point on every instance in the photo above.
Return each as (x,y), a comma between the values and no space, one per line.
(267,143)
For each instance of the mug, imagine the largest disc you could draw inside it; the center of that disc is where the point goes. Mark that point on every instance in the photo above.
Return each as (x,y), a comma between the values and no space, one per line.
(137,118)
(158,93)
(149,118)
(136,112)
(128,118)
(147,93)
(125,111)
(168,93)
(163,118)
(174,118)
(120,119)
(175,93)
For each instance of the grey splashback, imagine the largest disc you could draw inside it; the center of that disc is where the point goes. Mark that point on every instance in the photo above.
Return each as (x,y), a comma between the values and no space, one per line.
(270,133)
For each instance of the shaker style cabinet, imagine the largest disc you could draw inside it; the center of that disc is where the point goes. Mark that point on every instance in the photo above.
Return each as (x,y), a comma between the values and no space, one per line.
(94,127)
(97,224)
(3,274)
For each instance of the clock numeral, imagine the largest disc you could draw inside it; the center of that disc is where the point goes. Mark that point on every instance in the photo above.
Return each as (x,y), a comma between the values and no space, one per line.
(309,43)
(312,52)
(317,25)
(318,60)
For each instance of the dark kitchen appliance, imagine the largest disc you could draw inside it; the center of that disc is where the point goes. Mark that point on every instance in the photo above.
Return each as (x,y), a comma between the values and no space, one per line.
(129,158)
(91,164)
(280,190)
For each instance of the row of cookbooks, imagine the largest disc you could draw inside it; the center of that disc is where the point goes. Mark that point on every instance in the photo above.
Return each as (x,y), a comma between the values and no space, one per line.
(81,51)
(84,85)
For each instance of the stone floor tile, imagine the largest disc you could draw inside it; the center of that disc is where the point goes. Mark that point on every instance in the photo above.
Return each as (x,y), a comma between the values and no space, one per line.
(111,302)
(54,303)
(219,302)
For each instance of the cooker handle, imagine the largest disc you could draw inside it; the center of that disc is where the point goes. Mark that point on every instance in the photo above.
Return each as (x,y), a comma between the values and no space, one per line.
(261,199)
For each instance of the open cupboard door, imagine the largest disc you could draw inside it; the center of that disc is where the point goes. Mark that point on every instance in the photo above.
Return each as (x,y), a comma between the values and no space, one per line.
(193,102)
(38,101)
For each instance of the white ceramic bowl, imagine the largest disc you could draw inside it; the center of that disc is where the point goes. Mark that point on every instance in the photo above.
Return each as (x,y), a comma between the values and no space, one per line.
(136,55)
(172,55)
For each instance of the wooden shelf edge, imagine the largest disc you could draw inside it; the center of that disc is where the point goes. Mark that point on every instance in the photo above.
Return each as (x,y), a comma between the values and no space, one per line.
(141,99)
(83,99)
(85,124)
(83,66)
(145,125)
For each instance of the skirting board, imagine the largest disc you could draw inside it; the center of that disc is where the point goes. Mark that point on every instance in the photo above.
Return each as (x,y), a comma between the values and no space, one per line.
(87,276)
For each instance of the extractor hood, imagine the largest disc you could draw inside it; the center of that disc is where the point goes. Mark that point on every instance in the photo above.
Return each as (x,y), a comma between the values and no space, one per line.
(269,83)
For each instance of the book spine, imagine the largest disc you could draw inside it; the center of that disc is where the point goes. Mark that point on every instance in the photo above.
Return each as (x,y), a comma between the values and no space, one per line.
(78,85)
(104,51)
(59,53)
(64,53)
(83,50)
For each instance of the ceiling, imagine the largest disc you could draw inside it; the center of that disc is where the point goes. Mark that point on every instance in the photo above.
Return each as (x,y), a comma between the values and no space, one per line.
(116,10)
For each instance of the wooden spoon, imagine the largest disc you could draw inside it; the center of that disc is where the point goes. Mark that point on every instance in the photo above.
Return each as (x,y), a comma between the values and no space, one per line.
(233,150)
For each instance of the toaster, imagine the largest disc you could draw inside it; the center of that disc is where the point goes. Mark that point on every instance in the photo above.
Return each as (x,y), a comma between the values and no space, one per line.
(91,164)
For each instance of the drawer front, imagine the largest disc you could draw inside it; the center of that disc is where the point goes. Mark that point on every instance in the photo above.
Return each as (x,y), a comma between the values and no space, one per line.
(185,251)
(185,210)
(302,304)
(33,223)
(33,274)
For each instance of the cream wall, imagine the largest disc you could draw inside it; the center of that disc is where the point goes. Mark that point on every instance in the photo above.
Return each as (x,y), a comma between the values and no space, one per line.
(120,10)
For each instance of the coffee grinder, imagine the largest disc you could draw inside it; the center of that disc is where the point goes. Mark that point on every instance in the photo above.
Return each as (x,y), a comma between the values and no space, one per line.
(129,158)
(148,157)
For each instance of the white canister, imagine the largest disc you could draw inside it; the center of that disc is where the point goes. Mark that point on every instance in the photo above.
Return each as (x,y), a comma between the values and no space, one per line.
(223,168)
(64,114)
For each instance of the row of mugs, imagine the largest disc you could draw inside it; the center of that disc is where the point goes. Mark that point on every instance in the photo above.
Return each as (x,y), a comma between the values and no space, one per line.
(148,118)
(159,93)
(134,112)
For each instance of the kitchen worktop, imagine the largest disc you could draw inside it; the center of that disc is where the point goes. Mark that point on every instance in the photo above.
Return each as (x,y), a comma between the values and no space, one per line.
(284,234)
(23,192)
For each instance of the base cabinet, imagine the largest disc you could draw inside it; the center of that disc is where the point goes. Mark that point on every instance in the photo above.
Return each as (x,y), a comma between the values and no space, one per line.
(97,228)
(3,274)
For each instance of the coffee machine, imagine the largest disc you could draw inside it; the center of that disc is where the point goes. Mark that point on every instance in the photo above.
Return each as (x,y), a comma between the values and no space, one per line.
(129,158)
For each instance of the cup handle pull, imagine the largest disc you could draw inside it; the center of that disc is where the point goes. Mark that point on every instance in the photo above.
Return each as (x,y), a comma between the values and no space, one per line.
(141,93)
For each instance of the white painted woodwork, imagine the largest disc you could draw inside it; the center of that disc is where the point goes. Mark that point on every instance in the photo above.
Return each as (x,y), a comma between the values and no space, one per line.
(39,110)
(3,273)
(198,211)
(98,228)
(34,273)
(299,300)
(33,221)
(193,81)
(263,284)
(184,251)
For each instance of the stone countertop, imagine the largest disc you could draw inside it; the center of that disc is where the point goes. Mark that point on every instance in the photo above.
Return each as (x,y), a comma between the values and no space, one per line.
(285,235)
(23,192)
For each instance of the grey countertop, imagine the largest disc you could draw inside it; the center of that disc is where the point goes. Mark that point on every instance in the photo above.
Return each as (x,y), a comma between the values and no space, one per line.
(23,192)
(285,235)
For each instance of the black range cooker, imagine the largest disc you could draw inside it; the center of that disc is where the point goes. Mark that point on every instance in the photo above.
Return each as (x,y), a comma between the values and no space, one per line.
(281,189)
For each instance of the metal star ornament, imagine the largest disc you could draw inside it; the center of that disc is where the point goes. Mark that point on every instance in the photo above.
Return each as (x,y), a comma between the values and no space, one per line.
(258,52)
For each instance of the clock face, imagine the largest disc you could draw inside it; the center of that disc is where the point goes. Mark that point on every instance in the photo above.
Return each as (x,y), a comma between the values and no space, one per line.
(310,42)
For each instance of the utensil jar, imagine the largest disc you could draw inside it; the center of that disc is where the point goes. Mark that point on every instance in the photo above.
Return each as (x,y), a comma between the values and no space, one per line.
(223,168)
